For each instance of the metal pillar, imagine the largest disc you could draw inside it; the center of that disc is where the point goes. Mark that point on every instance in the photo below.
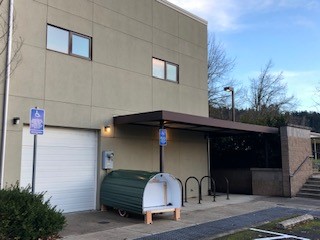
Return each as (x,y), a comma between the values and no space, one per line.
(161,149)
(233,107)
(315,149)
(6,94)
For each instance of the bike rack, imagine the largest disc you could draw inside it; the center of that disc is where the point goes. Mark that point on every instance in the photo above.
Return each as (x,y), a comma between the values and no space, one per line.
(181,191)
(186,190)
(213,184)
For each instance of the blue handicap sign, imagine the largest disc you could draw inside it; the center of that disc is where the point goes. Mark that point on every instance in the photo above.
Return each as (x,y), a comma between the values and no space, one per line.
(162,137)
(37,121)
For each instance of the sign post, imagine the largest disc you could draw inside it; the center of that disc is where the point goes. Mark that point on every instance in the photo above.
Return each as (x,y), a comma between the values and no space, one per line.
(36,128)
(162,143)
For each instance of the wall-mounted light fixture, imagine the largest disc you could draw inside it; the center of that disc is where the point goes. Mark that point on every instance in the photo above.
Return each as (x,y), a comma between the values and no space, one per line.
(107,128)
(16,121)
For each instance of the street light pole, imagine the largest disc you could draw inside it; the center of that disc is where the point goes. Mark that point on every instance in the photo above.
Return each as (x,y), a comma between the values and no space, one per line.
(230,89)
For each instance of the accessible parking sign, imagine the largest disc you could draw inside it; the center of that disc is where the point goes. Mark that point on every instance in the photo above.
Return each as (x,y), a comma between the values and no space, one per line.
(37,121)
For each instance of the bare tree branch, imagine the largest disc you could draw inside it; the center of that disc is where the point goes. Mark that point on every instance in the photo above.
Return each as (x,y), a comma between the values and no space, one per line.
(269,91)
(16,45)
(219,68)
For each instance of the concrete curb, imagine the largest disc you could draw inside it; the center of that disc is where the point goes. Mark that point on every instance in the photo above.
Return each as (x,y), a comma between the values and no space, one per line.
(294,221)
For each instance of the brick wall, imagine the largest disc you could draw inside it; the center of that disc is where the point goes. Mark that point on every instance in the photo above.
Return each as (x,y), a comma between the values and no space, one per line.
(295,148)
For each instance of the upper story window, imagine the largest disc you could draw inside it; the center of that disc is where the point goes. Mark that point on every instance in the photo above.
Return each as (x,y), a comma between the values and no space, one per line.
(68,42)
(164,70)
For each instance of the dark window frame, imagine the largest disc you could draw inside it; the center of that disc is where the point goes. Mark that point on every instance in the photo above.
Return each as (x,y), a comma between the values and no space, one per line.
(166,71)
(71,33)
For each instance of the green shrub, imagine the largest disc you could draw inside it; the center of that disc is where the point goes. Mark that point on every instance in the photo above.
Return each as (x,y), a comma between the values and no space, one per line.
(24,215)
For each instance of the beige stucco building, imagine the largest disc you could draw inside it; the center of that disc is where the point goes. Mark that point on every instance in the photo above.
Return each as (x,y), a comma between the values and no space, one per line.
(86,61)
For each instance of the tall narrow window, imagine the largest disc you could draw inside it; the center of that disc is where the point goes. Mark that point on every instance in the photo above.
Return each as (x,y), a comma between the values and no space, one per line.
(165,70)
(68,42)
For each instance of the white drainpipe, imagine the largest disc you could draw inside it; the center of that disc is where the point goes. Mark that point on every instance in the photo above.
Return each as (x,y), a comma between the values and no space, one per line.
(6,95)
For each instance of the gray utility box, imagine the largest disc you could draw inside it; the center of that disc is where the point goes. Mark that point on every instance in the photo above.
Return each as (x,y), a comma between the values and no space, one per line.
(141,192)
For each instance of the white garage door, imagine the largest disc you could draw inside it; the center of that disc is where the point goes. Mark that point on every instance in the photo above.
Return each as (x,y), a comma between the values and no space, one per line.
(65,169)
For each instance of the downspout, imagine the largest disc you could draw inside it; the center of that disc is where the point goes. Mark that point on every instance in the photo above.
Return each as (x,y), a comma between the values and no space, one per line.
(6,94)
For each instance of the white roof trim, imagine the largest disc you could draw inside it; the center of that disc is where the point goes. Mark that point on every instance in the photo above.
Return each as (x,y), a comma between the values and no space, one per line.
(314,135)
(181,10)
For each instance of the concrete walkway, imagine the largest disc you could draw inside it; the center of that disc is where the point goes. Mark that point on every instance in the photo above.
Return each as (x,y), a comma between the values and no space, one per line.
(198,221)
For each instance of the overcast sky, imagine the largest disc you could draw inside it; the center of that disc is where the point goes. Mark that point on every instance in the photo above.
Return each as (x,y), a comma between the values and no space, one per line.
(254,31)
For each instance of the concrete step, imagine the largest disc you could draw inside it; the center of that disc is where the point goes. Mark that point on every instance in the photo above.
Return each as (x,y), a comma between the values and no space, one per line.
(312,191)
(312,186)
(308,195)
(313,181)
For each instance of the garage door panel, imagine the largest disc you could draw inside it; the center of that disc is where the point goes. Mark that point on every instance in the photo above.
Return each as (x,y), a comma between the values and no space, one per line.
(62,139)
(66,167)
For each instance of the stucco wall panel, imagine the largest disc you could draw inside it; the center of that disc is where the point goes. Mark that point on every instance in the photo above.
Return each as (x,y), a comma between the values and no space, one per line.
(191,71)
(122,23)
(193,50)
(118,89)
(81,8)
(12,167)
(193,162)
(165,95)
(165,40)
(36,17)
(20,107)
(165,54)
(140,10)
(68,79)
(165,19)
(68,21)
(28,79)
(42,1)
(131,153)
(188,103)
(192,31)
(120,50)
(66,114)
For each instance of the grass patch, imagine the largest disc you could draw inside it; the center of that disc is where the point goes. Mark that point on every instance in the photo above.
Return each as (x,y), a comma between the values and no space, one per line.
(310,229)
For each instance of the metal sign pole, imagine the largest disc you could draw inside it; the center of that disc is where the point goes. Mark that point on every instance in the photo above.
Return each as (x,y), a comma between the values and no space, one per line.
(161,148)
(36,127)
(34,162)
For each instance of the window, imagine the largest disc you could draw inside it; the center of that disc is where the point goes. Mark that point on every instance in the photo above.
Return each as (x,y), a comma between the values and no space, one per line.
(172,72)
(68,42)
(164,70)
(158,68)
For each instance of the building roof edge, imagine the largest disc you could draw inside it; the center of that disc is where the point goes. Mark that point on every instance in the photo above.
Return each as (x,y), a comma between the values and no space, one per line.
(181,10)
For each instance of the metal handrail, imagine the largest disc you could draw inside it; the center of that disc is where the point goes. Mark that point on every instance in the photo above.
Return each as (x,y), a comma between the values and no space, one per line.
(227,181)
(214,187)
(185,187)
(181,191)
(300,166)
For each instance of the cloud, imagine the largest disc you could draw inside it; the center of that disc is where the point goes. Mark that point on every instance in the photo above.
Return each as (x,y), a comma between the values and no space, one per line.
(221,15)
(228,15)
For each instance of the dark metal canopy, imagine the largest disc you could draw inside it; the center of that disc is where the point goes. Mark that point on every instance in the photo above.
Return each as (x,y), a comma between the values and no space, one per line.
(191,122)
